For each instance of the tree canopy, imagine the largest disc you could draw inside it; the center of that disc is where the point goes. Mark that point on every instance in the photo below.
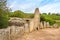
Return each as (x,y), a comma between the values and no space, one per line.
(3,14)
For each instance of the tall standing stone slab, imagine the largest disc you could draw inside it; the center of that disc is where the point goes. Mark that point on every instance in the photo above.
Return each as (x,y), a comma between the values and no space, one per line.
(47,25)
(44,24)
(27,26)
(4,34)
(36,19)
(13,31)
(55,26)
(41,25)
(31,25)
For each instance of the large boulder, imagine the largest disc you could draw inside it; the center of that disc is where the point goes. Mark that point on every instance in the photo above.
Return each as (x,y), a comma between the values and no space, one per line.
(16,21)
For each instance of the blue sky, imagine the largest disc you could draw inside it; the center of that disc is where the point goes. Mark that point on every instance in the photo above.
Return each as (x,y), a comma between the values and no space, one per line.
(29,6)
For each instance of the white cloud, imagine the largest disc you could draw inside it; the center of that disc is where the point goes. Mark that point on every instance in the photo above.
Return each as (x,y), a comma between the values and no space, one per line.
(31,5)
(26,7)
(12,4)
(54,8)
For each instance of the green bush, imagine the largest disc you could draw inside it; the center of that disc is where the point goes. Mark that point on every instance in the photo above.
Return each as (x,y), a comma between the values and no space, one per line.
(50,20)
(3,21)
(47,19)
(17,13)
(21,14)
(42,18)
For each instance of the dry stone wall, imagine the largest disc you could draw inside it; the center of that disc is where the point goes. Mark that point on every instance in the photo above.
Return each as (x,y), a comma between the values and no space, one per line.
(4,34)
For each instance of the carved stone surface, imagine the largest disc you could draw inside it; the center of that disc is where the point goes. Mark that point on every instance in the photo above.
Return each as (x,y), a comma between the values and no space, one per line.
(31,25)
(4,34)
(36,19)
(44,24)
(26,27)
(47,25)
(41,25)
(55,26)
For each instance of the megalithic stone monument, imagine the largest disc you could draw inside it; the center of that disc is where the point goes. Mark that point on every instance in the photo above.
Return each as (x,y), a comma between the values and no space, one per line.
(36,19)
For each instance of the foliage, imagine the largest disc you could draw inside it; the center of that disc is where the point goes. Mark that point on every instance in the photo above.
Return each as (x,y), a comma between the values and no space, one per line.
(3,20)
(47,19)
(3,14)
(21,14)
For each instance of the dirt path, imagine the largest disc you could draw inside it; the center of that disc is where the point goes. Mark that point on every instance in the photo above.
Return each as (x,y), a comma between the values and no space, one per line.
(43,34)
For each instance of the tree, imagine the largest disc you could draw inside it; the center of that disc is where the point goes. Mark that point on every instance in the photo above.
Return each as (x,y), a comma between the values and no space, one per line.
(47,19)
(3,14)
(18,13)
(45,13)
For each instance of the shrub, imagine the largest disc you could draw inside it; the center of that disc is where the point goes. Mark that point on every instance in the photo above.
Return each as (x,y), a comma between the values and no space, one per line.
(47,19)
(3,21)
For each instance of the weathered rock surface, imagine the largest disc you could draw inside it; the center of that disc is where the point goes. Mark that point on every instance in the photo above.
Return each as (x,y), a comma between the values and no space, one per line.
(16,21)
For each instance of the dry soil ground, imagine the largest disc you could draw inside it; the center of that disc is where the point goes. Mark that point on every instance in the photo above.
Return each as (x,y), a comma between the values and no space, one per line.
(43,34)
